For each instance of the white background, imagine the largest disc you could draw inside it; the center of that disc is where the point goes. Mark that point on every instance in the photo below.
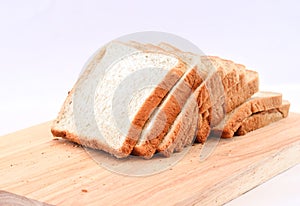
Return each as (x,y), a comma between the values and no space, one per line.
(44,45)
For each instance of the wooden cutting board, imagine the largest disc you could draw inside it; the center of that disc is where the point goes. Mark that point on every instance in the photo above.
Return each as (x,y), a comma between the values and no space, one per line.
(57,172)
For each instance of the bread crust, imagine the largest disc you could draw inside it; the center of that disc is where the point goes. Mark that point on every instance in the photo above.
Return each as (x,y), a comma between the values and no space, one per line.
(216,105)
(261,119)
(93,143)
(182,130)
(262,101)
(203,128)
(167,114)
(234,97)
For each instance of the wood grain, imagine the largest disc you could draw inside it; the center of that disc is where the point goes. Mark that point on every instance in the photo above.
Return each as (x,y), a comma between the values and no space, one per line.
(58,172)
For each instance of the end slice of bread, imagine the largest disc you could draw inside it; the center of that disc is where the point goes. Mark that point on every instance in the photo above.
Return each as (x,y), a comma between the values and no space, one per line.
(261,119)
(259,102)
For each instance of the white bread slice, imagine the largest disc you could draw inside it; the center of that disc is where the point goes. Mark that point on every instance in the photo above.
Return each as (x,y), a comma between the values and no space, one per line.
(261,119)
(211,68)
(230,73)
(182,130)
(235,96)
(211,109)
(86,116)
(211,88)
(259,102)
(159,123)
(190,58)
(211,96)
(178,129)
(190,134)
(212,84)
(205,94)
(241,92)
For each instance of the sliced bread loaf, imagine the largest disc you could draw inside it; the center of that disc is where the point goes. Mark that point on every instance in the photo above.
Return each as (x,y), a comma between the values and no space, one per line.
(87,116)
(259,102)
(261,119)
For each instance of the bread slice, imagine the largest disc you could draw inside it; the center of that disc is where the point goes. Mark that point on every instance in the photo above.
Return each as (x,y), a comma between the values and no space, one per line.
(259,102)
(189,136)
(212,111)
(177,141)
(261,119)
(87,115)
(240,93)
(232,75)
(161,120)
(230,72)
(235,96)
(207,93)
(190,58)
(212,85)
(182,130)
(212,94)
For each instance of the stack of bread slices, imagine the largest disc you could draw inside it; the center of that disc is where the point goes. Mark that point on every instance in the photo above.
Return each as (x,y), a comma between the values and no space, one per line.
(191,97)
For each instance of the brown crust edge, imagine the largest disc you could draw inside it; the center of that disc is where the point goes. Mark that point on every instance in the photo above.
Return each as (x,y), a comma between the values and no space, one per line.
(148,148)
(263,119)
